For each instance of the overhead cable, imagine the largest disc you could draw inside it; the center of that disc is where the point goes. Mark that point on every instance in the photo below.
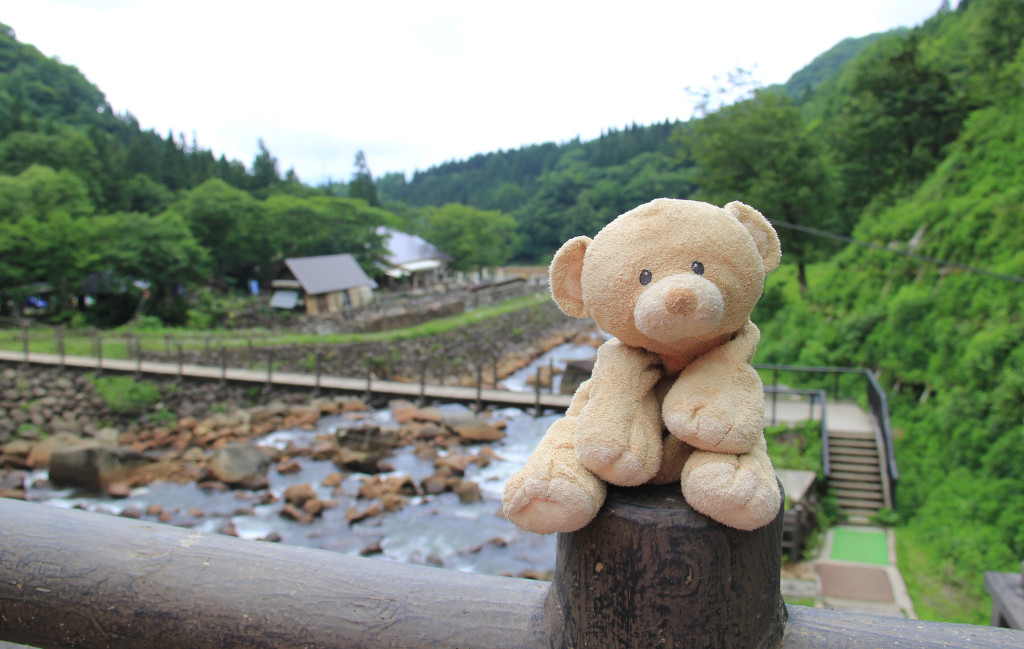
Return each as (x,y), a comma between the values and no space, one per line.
(903,253)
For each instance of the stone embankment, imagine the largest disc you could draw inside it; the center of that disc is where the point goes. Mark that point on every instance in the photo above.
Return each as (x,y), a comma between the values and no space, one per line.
(453,357)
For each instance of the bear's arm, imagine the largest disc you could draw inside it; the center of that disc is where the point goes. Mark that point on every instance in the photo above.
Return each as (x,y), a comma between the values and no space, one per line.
(717,403)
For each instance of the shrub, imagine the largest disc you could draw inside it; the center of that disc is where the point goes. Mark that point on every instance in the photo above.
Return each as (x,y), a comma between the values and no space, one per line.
(126,396)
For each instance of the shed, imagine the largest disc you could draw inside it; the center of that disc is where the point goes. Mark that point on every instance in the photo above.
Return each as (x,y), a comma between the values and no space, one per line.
(412,257)
(328,283)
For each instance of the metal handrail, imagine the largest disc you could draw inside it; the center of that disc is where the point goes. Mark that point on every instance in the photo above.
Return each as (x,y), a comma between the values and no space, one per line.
(878,404)
(812,397)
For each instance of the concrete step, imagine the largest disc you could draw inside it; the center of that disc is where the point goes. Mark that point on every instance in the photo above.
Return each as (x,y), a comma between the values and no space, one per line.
(866,478)
(858,442)
(859,519)
(850,505)
(844,458)
(855,450)
(846,467)
(847,498)
(859,485)
(851,434)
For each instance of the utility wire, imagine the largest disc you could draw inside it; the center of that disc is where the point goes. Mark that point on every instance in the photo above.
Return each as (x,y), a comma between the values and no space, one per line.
(909,255)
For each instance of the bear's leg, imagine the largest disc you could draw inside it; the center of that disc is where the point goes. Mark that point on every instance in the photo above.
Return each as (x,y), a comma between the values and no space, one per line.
(736,490)
(553,492)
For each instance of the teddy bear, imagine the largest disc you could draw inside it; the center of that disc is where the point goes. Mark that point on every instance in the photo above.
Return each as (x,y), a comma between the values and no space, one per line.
(672,396)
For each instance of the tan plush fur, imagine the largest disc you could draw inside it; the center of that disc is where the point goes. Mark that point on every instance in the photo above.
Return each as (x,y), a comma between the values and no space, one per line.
(673,396)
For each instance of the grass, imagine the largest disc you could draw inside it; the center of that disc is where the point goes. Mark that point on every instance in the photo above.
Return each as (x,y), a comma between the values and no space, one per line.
(120,343)
(937,593)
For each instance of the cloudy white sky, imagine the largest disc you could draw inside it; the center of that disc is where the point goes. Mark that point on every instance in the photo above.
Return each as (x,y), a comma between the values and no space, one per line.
(415,84)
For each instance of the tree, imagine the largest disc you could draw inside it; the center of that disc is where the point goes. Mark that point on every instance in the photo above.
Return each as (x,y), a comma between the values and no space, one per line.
(473,238)
(232,225)
(893,126)
(758,151)
(264,168)
(362,185)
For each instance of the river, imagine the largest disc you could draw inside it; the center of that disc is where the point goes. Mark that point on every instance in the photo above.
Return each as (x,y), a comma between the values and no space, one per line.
(434,530)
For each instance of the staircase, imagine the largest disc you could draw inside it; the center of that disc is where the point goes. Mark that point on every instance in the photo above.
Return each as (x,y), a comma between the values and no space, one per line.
(856,475)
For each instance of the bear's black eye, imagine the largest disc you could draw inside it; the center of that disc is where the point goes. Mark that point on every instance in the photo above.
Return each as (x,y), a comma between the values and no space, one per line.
(645,277)
(698,268)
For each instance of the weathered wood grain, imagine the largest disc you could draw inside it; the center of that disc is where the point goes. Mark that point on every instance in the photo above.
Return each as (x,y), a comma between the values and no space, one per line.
(650,571)
(71,578)
(814,628)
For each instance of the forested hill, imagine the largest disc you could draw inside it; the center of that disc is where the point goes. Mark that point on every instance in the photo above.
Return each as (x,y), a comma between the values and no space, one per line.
(921,139)
(85,193)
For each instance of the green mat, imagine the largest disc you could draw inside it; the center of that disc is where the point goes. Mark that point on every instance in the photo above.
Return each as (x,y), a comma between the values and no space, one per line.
(862,546)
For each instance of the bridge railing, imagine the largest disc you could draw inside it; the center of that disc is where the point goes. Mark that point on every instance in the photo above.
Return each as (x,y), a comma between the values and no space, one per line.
(877,402)
(648,571)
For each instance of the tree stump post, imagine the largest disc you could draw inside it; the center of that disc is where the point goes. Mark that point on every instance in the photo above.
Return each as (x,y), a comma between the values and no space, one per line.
(649,571)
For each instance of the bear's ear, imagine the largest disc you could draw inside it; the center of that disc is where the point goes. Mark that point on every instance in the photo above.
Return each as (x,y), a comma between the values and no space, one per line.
(765,237)
(566,276)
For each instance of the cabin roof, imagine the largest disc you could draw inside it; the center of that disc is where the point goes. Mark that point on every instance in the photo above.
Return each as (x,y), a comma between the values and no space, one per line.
(328,273)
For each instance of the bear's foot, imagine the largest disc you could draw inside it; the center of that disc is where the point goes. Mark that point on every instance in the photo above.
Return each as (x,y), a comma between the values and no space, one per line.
(544,506)
(615,465)
(736,490)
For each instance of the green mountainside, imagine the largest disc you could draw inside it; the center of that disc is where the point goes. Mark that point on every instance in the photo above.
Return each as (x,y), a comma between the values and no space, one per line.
(907,148)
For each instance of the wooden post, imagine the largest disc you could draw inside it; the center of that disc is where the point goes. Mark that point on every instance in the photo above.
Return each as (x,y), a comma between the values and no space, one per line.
(479,384)
(167,344)
(24,344)
(138,358)
(369,378)
(551,375)
(536,394)
(444,362)
(775,394)
(649,571)
(181,365)
(99,354)
(423,381)
(270,368)
(223,366)
(316,366)
(60,346)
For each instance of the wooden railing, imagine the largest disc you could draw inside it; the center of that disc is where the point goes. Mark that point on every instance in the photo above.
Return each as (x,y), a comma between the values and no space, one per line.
(648,572)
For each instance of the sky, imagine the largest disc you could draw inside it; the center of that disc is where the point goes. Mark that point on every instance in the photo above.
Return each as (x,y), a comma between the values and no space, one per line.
(416,84)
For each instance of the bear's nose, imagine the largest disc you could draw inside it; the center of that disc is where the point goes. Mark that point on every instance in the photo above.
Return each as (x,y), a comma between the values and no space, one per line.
(681,301)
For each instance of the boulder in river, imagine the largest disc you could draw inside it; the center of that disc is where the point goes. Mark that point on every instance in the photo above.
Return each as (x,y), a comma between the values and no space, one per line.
(91,465)
(240,465)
